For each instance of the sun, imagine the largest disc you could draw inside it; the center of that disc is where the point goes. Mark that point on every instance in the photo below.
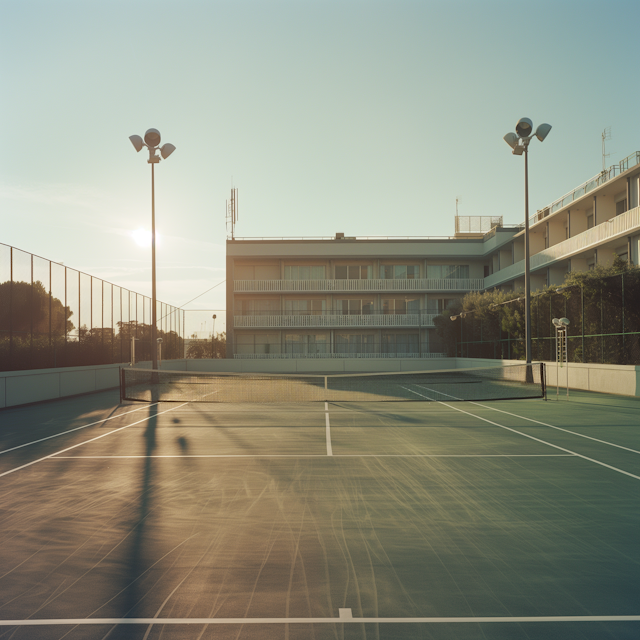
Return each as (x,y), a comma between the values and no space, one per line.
(142,237)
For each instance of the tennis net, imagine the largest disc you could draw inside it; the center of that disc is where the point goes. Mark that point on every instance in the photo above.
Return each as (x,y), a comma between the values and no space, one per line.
(488,383)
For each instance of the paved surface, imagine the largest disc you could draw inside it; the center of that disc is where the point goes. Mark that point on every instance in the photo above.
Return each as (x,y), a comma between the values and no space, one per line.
(515,519)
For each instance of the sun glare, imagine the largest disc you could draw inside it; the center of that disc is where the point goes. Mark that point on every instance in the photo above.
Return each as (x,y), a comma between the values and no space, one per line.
(142,237)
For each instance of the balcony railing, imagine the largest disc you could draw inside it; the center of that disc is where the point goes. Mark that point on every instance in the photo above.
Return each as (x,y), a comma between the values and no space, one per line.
(333,320)
(604,176)
(373,285)
(288,356)
(615,227)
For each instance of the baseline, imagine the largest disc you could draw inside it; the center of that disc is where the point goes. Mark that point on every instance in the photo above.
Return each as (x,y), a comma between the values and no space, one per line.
(342,619)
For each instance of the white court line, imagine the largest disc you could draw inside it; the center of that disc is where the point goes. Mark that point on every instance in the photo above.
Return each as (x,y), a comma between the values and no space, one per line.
(342,619)
(51,455)
(555,446)
(328,430)
(84,426)
(340,455)
(544,424)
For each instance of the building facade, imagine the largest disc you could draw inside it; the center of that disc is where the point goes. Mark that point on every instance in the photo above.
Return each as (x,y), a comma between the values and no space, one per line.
(377,297)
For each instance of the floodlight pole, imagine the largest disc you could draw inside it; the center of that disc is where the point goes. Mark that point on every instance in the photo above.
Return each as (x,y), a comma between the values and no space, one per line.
(154,329)
(151,141)
(527,269)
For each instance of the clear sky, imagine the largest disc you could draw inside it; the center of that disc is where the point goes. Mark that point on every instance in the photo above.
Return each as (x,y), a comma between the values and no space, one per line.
(356,116)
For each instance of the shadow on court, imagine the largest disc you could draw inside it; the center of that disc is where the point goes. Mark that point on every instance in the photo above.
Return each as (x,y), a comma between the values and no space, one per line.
(139,558)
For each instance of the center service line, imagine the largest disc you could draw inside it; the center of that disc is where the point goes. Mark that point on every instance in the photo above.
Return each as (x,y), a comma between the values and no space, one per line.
(328,429)
(51,455)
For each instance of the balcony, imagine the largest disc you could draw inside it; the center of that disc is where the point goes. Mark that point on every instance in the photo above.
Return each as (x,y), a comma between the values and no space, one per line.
(332,321)
(612,229)
(352,286)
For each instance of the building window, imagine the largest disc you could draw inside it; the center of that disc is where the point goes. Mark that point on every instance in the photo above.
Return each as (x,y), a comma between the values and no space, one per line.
(353,272)
(438,305)
(400,306)
(354,343)
(304,272)
(354,307)
(304,307)
(399,271)
(258,343)
(306,344)
(260,307)
(400,343)
(590,219)
(448,271)
(621,206)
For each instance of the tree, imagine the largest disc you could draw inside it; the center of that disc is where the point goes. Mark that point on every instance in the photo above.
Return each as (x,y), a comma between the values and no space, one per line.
(26,307)
(207,348)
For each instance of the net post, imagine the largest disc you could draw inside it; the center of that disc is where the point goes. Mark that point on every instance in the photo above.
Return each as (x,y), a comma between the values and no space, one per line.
(543,381)
(121,385)
(326,393)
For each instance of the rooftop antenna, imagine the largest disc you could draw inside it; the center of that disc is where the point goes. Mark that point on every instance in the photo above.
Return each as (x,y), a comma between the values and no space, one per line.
(457,201)
(232,211)
(606,135)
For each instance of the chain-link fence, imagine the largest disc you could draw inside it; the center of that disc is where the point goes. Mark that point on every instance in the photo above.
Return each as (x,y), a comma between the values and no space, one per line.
(54,316)
(604,324)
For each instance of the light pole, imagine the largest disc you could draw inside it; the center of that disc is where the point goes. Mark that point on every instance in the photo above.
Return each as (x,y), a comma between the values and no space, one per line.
(519,142)
(159,343)
(151,141)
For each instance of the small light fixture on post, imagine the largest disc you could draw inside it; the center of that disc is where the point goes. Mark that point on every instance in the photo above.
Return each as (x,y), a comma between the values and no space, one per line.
(519,143)
(159,343)
(151,141)
(213,337)
(562,350)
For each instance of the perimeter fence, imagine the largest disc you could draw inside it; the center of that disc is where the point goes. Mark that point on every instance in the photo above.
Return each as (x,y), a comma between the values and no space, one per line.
(54,316)
(604,324)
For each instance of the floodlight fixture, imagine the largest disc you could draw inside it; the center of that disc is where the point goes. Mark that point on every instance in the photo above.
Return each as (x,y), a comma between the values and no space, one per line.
(166,150)
(511,139)
(543,131)
(565,321)
(137,142)
(524,127)
(556,322)
(152,137)
(561,289)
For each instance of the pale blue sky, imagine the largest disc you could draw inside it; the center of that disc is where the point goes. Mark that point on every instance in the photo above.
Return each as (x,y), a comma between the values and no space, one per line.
(364,117)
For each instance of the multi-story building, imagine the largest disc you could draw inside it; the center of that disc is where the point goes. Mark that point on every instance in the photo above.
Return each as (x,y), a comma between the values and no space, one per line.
(377,297)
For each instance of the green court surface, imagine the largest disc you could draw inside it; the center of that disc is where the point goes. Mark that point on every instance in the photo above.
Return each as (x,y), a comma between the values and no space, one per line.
(515,519)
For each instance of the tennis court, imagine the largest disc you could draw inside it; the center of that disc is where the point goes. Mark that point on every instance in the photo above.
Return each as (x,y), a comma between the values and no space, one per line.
(339,520)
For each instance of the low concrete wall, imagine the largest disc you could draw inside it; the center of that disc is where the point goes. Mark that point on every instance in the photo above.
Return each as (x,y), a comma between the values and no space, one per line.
(620,379)
(24,387)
